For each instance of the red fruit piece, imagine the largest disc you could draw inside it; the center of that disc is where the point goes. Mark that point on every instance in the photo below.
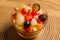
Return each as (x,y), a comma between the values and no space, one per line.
(33,13)
(39,21)
(23,11)
(14,15)
(28,17)
(27,29)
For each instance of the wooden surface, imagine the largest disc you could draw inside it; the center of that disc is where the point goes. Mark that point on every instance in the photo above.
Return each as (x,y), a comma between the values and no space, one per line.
(50,32)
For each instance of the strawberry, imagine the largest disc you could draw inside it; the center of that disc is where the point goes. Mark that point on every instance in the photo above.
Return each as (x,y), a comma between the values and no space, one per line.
(39,21)
(23,11)
(33,13)
(27,29)
(28,17)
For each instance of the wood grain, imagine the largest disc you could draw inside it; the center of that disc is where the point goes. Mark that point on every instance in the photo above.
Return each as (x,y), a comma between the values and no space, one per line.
(50,32)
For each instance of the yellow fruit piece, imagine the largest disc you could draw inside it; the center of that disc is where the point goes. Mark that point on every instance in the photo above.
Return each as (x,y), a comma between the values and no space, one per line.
(33,29)
(39,26)
(19,28)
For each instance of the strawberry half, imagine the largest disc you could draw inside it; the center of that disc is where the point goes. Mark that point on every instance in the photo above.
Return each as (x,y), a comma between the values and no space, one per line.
(39,21)
(28,17)
(27,29)
(33,13)
(23,11)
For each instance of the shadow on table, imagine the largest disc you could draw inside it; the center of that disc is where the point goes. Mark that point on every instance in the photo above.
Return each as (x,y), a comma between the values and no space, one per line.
(11,34)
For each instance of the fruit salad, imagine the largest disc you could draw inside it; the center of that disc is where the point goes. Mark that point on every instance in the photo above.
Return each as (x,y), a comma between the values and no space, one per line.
(29,18)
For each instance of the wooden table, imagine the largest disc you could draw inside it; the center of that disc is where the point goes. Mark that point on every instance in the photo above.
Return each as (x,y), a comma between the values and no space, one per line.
(50,32)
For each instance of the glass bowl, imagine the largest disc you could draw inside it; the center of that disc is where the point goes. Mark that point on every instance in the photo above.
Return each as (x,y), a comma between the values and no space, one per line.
(29,34)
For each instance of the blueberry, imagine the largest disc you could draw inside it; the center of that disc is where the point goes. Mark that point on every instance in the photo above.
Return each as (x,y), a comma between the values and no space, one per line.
(43,17)
(27,24)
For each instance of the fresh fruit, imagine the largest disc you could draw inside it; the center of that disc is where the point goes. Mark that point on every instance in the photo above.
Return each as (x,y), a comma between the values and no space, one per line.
(36,7)
(30,28)
(39,26)
(34,22)
(34,29)
(27,29)
(39,21)
(19,28)
(23,11)
(20,19)
(33,13)
(28,17)
(27,24)
(43,17)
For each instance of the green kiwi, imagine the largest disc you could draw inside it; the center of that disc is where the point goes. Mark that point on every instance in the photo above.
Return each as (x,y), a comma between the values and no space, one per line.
(36,7)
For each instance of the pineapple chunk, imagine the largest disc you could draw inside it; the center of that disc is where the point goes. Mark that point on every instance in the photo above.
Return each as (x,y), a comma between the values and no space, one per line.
(39,26)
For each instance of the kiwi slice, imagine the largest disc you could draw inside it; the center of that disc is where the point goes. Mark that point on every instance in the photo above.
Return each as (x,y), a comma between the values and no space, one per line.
(36,7)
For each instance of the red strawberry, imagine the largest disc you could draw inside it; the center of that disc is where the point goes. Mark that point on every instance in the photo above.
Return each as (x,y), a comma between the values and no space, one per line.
(33,13)
(23,11)
(27,29)
(39,21)
(28,17)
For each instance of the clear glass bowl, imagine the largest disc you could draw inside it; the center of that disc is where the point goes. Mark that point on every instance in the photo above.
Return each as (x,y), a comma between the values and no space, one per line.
(29,34)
